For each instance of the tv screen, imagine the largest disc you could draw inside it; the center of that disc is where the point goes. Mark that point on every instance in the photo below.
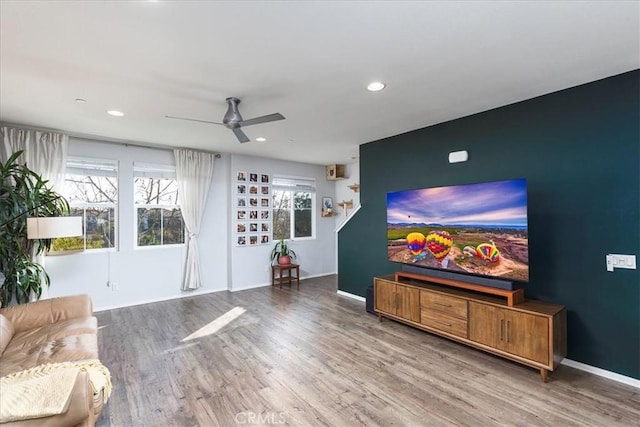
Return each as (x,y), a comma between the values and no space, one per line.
(478,229)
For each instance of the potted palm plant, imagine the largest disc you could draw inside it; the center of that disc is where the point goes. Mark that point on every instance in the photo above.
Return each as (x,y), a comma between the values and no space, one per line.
(282,253)
(23,193)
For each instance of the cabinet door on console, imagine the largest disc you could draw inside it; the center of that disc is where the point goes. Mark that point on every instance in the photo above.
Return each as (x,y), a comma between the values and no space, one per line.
(408,303)
(523,334)
(527,335)
(385,296)
(485,325)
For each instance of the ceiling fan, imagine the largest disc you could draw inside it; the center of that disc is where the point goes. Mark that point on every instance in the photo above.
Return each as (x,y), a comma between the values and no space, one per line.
(234,121)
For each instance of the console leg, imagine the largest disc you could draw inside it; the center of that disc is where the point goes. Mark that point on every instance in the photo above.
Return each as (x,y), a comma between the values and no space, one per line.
(544,374)
(379,318)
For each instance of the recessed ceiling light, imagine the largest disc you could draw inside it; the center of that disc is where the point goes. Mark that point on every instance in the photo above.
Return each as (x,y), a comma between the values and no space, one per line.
(375,86)
(81,100)
(115,113)
(261,139)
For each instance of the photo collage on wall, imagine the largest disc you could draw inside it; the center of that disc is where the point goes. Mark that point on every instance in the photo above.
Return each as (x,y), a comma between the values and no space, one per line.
(252,196)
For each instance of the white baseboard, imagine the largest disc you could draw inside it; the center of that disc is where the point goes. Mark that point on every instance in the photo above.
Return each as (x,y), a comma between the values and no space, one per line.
(186,294)
(602,373)
(261,285)
(246,288)
(348,295)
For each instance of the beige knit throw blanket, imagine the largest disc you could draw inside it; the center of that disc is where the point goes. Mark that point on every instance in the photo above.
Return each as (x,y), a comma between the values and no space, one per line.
(45,390)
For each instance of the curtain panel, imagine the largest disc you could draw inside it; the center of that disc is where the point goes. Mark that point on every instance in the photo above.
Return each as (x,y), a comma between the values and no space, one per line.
(44,152)
(194,172)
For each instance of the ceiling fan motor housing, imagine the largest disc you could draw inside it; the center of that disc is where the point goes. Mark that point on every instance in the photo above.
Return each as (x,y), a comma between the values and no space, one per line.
(232,118)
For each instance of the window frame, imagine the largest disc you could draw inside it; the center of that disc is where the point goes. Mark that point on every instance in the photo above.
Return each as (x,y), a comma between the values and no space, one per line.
(154,171)
(292,185)
(101,168)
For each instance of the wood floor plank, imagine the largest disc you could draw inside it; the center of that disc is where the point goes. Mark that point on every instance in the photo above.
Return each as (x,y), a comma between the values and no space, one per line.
(310,357)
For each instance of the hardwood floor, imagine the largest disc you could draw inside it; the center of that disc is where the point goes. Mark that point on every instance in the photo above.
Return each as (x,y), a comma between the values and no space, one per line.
(310,357)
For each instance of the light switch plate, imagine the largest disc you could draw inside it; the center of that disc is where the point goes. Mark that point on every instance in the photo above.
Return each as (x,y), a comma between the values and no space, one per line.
(621,261)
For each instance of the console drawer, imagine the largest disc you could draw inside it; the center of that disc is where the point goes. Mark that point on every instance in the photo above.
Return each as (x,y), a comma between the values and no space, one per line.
(442,322)
(445,304)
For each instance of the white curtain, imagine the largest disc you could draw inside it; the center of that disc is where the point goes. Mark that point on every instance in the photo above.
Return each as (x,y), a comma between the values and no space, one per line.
(194,172)
(45,153)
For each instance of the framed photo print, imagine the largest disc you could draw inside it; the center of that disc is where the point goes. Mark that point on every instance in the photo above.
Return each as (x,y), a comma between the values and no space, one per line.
(264,190)
(264,202)
(253,240)
(242,215)
(242,240)
(253,189)
(264,238)
(242,189)
(253,177)
(253,227)
(241,228)
(327,203)
(253,202)
(242,202)
(264,215)
(264,227)
(264,178)
(241,176)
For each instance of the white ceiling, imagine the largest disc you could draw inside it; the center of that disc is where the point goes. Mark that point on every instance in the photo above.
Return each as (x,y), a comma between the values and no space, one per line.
(309,61)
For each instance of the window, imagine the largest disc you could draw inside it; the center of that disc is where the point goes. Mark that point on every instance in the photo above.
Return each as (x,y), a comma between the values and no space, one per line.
(91,188)
(293,207)
(159,220)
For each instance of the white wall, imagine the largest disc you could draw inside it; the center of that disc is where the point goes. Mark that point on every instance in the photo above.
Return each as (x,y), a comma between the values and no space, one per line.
(152,274)
(250,265)
(144,274)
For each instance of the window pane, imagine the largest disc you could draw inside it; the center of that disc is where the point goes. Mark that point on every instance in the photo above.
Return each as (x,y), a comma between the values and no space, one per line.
(90,189)
(155,191)
(100,227)
(173,227)
(302,221)
(281,215)
(149,226)
(302,202)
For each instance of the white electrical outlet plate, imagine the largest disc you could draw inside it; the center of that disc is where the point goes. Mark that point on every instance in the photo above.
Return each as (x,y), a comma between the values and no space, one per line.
(621,261)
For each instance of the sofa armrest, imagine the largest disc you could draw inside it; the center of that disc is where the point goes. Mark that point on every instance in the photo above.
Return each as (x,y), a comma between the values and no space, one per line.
(45,312)
(79,412)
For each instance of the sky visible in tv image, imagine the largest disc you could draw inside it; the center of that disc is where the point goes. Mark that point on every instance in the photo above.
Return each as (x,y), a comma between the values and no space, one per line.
(491,204)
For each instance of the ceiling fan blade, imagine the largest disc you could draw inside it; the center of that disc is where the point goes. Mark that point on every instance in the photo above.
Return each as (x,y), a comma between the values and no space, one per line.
(194,120)
(262,119)
(240,135)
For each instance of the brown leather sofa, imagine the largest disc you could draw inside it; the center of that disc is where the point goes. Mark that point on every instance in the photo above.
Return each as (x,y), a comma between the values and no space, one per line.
(53,331)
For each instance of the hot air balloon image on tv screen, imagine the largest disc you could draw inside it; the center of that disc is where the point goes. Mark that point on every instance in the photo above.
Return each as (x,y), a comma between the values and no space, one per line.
(479,229)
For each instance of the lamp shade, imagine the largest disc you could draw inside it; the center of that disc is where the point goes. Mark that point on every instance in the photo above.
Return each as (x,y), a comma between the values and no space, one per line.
(54,226)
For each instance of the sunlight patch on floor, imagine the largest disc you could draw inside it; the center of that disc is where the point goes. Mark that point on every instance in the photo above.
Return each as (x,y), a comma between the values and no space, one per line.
(217,324)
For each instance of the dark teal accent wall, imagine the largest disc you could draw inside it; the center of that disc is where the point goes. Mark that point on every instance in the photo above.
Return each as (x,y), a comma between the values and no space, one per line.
(579,150)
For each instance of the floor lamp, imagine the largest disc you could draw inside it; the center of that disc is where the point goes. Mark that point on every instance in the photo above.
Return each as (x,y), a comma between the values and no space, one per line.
(50,228)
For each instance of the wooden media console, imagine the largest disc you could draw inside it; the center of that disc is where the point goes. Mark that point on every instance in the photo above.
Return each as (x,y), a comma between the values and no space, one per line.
(498,321)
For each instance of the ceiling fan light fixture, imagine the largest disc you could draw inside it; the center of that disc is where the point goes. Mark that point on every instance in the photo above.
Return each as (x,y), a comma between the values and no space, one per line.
(115,113)
(376,86)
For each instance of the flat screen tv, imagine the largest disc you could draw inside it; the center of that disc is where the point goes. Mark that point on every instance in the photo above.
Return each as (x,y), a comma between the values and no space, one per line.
(475,229)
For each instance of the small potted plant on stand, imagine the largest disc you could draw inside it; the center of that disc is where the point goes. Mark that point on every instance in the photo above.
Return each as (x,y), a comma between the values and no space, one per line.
(282,253)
